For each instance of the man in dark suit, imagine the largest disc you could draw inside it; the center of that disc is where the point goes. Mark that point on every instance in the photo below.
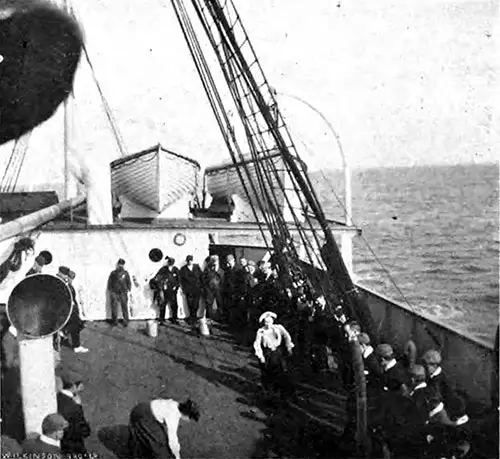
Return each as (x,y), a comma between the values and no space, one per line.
(37,267)
(191,282)
(49,442)
(436,377)
(167,284)
(406,419)
(74,325)
(373,370)
(393,376)
(10,349)
(233,291)
(12,412)
(213,280)
(69,405)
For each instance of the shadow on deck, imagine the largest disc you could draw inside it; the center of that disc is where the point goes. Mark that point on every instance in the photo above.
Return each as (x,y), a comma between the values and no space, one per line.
(125,367)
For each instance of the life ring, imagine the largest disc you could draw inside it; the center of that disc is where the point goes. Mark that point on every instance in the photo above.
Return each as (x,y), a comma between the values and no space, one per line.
(179,239)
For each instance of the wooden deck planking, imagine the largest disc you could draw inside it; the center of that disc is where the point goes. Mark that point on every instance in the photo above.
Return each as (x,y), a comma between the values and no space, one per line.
(125,367)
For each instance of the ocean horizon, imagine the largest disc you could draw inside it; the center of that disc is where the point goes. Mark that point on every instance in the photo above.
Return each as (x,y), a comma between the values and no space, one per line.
(434,231)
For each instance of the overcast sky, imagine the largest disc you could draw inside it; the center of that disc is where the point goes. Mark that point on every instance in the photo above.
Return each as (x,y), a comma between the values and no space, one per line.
(403,82)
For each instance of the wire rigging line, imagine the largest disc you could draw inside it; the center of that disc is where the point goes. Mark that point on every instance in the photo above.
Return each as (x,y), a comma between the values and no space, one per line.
(215,101)
(243,83)
(377,259)
(107,109)
(16,160)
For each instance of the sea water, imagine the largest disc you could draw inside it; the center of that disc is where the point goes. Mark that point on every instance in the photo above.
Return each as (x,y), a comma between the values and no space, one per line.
(434,235)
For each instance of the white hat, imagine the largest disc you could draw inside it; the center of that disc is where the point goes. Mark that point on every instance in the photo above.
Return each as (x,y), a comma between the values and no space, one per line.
(267,314)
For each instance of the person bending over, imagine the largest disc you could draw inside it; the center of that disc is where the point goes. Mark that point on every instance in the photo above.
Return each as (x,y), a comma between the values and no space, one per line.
(153,427)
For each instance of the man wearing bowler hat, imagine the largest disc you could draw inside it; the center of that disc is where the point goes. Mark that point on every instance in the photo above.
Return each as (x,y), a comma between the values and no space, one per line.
(69,405)
(49,442)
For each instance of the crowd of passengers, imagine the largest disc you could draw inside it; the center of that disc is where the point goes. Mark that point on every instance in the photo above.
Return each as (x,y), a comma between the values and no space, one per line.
(414,407)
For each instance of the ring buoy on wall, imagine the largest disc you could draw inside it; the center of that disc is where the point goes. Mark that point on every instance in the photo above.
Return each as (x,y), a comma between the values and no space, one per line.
(180,239)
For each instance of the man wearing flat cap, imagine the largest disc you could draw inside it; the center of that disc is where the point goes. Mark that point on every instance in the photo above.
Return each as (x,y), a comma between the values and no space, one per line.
(421,394)
(167,284)
(404,418)
(69,405)
(436,376)
(53,427)
(119,286)
(393,377)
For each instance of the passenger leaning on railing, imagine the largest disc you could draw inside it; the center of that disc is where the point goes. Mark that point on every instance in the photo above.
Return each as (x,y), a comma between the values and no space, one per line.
(393,377)
(373,369)
(436,377)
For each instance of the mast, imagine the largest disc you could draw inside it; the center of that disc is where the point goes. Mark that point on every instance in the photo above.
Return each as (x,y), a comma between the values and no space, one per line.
(70,183)
(266,134)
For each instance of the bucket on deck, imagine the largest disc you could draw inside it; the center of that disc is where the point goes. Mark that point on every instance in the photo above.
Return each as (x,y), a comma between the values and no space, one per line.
(204,330)
(152,328)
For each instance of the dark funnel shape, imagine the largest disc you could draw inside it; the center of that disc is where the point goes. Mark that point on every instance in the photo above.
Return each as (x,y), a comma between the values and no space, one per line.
(40,305)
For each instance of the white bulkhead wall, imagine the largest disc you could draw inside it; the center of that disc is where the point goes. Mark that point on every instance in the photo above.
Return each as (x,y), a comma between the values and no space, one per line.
(93,253)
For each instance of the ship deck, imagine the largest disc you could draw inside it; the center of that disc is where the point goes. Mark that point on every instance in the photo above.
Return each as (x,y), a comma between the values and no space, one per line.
(124,367)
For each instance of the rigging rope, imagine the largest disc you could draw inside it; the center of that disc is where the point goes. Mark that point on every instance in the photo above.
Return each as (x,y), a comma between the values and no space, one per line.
(269,130)
(215,100)
(15,164)
(264,173)
(107,109)
(377,259)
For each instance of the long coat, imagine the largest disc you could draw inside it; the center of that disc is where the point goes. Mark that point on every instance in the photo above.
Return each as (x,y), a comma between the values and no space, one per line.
(10,351)
(74,323)
(191,280)
(213,281)
(78,429)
